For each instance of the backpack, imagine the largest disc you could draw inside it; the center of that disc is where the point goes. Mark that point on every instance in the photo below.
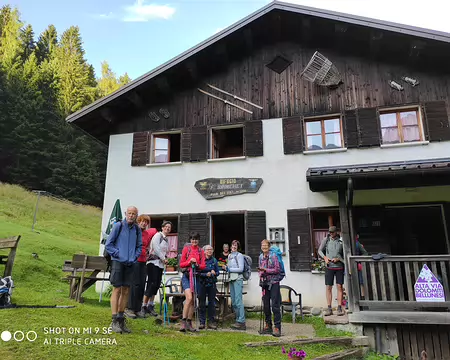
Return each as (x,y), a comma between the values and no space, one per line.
(106,255)
(6,286)
(276,250)
(247,274)
(189,246)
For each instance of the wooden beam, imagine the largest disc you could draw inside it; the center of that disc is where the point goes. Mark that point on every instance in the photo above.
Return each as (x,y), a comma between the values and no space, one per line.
(345,233)
(402,305)
(341,340)
(400,317)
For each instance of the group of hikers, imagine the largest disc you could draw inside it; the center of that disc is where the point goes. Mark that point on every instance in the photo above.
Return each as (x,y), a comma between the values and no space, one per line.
(139,255)
(138,258)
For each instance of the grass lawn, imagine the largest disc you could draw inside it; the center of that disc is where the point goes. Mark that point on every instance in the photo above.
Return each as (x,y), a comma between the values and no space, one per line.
(65,229)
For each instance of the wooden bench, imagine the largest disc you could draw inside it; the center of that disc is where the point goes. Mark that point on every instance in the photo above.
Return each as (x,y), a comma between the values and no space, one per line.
(85,270)
(8,260)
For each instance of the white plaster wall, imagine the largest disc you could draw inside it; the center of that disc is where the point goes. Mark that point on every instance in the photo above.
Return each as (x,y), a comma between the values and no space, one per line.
(170,189)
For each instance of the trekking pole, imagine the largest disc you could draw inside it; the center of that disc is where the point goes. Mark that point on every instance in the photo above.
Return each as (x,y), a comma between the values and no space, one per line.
(261,312)
(165,306)
(195,298)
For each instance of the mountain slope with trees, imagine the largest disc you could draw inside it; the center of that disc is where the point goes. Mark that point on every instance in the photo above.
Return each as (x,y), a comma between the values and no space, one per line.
(41,82)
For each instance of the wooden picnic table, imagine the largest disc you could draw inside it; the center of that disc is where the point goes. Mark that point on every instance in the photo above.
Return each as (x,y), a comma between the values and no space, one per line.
(8,260)
(85,270)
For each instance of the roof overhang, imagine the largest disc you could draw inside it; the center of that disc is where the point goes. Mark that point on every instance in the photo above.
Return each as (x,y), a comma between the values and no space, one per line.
(404,174)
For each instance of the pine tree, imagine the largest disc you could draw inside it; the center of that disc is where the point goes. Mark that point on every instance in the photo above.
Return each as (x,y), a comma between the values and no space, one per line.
(46,43)
(28,44)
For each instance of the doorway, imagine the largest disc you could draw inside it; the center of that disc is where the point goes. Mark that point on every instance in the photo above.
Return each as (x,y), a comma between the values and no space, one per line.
(416,230)
(224,229)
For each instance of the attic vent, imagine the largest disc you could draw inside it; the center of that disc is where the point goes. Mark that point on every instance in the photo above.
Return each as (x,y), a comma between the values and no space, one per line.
(279,64)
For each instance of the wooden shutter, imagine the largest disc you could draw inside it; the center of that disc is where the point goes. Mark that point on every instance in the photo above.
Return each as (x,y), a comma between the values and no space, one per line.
(200,223)
(253,138)
(350,129)
(183,232)
(369,127)
(140,149)
(186,145)
(199,143)
(255,233)
(293,135)
(299,233)
(436,121)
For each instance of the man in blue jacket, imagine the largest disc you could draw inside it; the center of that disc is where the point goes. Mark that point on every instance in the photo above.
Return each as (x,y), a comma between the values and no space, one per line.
(124,244)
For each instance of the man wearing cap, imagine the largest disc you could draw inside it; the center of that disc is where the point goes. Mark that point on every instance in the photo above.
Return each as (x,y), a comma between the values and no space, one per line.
(331,250)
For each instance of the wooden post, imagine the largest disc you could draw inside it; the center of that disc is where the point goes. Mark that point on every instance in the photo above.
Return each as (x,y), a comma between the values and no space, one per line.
(343,215)
(12,243)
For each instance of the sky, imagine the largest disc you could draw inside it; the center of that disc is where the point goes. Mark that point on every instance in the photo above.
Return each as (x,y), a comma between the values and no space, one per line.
(135,36)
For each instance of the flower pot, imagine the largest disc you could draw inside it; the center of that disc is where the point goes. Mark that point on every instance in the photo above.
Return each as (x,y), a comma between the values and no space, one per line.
(170,268)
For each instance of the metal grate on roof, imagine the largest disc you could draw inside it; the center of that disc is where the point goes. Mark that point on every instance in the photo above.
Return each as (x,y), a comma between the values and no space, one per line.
(279,64)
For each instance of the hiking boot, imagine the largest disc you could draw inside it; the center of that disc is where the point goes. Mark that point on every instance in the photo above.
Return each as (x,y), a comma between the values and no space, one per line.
(123,326)
(142,314)
(183,325)
(130,314)
(267,329)
(202,326)
(212,325)
(115,327)
(340,312)
(239,326)
(189,326)
(328,312)
(151,310)
(276,332)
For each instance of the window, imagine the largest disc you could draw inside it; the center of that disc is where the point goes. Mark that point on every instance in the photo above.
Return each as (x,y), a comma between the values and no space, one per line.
(166,148)
(321,220)
(227,142)
(401,126)
(323,133)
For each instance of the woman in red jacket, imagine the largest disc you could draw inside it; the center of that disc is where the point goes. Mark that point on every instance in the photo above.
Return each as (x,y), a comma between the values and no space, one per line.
(192,261)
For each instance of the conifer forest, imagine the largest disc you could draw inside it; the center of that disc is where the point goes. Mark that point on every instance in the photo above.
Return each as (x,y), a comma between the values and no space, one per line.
(43,79)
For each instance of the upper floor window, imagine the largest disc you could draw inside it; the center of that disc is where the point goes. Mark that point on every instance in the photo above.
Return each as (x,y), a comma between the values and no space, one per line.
(227,142)
(166,148)
(401,126)
(323,133)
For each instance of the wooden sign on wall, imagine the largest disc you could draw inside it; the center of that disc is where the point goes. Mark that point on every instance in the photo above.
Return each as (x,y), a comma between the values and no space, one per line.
(217,188)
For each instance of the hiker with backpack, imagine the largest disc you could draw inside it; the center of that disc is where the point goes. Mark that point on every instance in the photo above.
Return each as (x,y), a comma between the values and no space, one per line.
(135,309)
(271,272)
(235,268)
(332,251)
(191,263)
(124,245)
(207,288)
(156,261)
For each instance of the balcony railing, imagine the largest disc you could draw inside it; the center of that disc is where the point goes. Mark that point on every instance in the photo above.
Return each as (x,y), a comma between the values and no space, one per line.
(388,284)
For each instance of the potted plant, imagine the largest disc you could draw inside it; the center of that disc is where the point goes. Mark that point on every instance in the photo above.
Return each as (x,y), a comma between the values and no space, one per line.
(318,266)
(172,264)
(294,354)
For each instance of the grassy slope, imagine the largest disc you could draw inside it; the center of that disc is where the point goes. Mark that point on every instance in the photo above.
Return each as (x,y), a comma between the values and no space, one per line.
(66,229)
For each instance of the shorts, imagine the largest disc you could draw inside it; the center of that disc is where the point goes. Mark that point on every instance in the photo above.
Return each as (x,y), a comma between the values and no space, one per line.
(185,282)
(121,274)
(331,273)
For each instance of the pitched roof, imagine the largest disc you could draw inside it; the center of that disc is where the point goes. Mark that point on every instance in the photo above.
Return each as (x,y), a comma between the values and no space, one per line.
(275,5)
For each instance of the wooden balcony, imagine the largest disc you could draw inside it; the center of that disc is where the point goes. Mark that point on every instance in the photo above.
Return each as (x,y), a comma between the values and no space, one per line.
(388,286)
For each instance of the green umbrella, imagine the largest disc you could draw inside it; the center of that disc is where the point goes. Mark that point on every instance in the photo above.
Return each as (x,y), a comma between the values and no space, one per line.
(116,216)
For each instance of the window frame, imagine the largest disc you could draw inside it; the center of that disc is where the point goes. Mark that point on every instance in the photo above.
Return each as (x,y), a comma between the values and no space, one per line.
(397,111)
(322,119)
(212,149)
(163,135)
